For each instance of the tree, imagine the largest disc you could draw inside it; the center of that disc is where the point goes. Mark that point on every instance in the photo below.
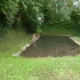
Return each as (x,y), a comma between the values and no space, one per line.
(9,8)
(15,11)
(30,16)
(29,13)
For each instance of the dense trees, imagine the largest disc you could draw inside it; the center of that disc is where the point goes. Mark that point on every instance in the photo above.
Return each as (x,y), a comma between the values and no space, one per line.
(75,17)
(25,12)
(31,13)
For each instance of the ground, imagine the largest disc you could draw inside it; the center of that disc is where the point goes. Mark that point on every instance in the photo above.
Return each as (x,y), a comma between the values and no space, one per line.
(48,68)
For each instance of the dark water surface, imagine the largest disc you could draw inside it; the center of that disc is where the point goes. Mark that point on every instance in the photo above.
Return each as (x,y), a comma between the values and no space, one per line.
(52,46)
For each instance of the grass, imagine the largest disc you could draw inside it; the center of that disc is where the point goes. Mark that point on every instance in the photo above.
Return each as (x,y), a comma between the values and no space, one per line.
(13,41)
(47,68)
(59,30)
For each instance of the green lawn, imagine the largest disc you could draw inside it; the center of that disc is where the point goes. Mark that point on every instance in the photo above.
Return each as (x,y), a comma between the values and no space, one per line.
(49,68)
(20,68)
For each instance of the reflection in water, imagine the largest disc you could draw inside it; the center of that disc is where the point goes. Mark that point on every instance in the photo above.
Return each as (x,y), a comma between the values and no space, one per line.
(34,44)
(52,46)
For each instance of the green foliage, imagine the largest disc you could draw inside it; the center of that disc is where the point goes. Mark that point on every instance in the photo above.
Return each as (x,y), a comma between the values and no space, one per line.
(59,29)
(26,13)
(75,18)
(30,16)
(57,11)
(15,11)
(62,12)
(39,30)
(9,8)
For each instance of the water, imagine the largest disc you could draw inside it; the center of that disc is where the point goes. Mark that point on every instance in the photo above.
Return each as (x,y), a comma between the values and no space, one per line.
(55,46)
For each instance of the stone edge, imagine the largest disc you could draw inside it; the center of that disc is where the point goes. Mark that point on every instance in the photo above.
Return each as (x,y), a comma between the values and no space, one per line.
(77,42)
(24,48)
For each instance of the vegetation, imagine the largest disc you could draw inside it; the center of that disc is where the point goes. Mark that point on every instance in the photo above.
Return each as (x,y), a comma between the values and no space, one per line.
(49,68)
(21,12)
(59,29)
(30,14)
(20,17)
(13,41)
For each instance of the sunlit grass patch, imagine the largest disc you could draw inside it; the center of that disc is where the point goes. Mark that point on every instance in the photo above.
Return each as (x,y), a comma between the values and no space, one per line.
(48,68)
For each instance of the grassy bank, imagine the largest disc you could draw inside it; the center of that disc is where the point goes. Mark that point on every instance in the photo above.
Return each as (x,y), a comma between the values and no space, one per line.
(48,68)
(13,41)
(59,29)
